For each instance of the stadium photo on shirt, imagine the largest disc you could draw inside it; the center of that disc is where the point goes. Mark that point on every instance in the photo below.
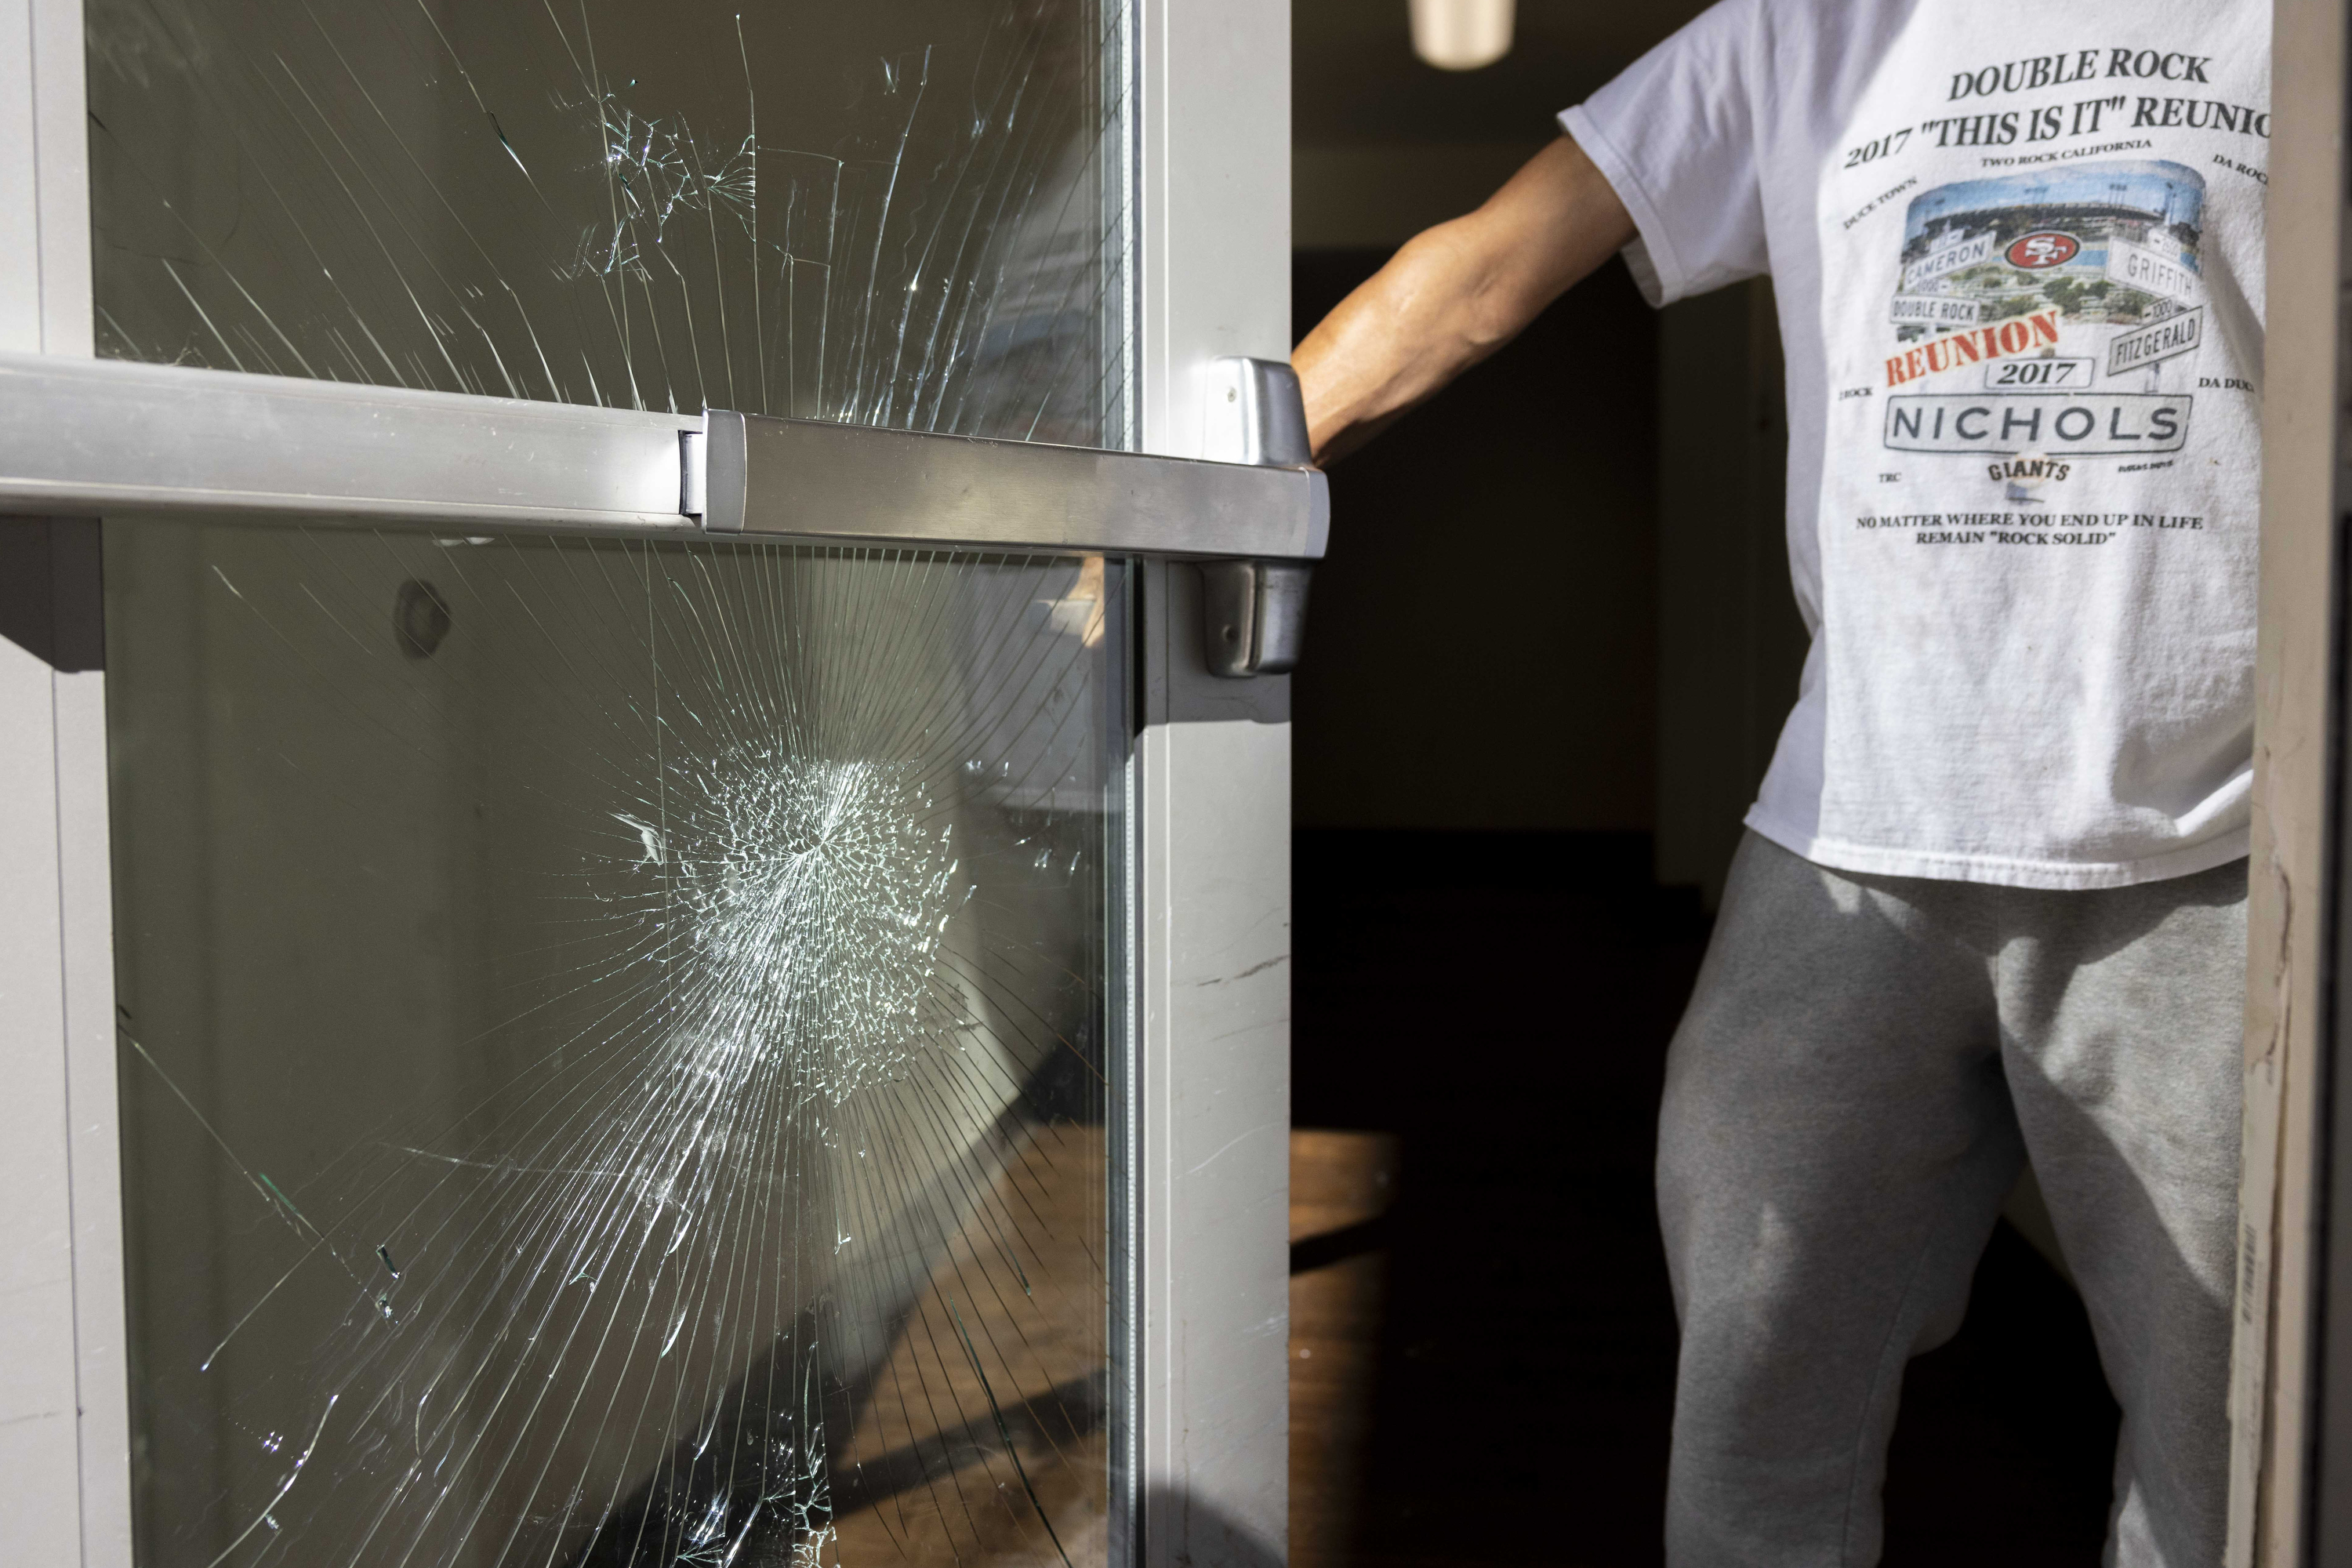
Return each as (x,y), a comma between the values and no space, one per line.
(2052,282)
(2104,244)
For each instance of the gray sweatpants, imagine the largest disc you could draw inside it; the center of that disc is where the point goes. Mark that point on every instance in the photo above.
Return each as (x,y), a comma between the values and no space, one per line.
(1864,1065)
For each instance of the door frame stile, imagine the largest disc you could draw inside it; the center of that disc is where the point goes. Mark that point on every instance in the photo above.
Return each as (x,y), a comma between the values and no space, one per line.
(62,1234)
(1211,808)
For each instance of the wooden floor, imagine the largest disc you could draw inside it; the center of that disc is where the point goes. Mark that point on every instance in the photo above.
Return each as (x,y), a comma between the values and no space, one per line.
(982,1441)
(1341,1186)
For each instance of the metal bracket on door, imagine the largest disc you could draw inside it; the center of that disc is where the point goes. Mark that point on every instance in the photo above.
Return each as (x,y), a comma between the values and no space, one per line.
(1255,616)
(1254,611)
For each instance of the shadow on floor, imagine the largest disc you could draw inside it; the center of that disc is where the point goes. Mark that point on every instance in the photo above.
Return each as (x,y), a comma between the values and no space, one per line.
(1497,1338)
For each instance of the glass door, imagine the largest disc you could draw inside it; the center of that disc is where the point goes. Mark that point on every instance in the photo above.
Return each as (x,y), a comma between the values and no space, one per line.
(631,925)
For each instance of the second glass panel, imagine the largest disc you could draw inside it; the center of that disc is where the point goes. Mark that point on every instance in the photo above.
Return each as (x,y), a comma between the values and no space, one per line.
(895,214)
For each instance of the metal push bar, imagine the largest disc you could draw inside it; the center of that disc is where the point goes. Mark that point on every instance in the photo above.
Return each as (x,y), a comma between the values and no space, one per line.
(112,436)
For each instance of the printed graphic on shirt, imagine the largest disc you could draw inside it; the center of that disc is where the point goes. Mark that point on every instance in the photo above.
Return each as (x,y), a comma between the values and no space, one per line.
(2071,290)
(2032,330)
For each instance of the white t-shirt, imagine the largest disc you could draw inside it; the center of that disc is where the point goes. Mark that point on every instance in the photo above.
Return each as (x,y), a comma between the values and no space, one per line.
(2018,250)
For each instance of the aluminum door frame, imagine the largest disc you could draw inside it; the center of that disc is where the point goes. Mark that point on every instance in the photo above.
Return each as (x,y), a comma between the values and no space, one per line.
(64,1418)
(1210,802)
(1207,198)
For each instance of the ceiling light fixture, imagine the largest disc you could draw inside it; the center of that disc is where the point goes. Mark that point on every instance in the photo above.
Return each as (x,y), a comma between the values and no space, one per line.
(1461,35)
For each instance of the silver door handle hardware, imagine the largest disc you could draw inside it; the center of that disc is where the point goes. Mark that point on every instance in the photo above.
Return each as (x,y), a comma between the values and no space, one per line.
(1254,611)
(1255,614)
(82,438)
(1255,415)
(816,479)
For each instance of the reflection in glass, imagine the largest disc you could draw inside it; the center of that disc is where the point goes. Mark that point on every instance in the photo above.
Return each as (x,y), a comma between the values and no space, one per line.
(891,214)
(617,1047)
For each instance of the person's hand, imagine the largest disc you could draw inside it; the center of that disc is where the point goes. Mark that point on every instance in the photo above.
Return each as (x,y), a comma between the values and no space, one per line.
(1453,295)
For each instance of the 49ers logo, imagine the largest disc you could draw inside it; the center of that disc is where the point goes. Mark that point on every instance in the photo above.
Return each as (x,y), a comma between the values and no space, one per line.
(2047,247)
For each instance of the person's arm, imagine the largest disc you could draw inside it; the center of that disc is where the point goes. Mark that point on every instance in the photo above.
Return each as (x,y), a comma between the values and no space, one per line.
(1454,294)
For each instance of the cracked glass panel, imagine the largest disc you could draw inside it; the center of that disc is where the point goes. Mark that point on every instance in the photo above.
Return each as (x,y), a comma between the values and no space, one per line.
(894,212)
(620,1049)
